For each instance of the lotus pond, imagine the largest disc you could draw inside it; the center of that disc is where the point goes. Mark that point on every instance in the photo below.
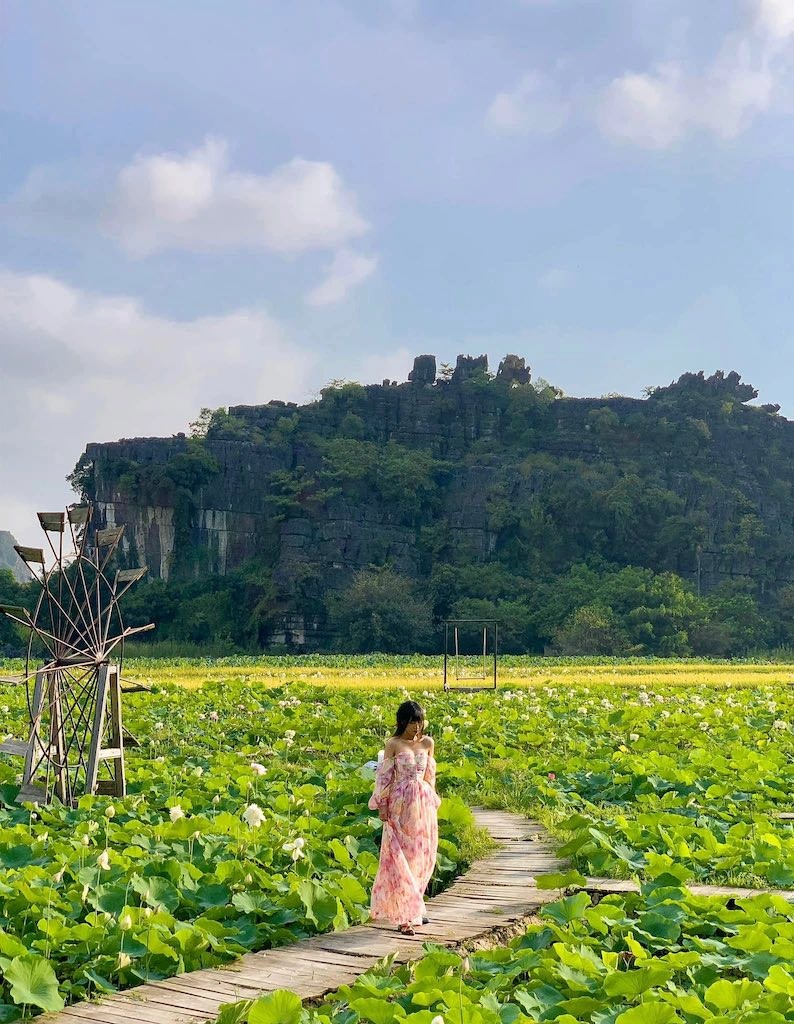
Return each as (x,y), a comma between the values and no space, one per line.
(246,825)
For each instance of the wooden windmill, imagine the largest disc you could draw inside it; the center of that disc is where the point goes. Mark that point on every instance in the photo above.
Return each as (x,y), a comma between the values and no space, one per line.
(76,741)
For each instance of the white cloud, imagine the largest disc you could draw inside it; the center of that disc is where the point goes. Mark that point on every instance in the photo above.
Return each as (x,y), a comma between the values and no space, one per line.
(775,18)
(77,367)
(196,202)
(535,106)
(658,108)
(347,270)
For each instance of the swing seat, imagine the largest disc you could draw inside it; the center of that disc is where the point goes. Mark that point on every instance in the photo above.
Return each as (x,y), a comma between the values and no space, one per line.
(456,669)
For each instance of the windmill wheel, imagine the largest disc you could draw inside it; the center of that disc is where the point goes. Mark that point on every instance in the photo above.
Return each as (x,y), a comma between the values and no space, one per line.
(74,694)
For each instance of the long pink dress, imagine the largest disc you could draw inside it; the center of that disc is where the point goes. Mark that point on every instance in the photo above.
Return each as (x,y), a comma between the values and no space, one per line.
(405,789)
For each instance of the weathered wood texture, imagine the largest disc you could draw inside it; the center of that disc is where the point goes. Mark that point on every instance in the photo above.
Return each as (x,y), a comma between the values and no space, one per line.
(618,885)
(498,892)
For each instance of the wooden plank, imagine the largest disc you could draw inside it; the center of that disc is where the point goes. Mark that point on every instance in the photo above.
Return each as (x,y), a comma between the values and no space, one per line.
(622,885)
(196,1003)
(152,1011)
(18,748)
(196,981)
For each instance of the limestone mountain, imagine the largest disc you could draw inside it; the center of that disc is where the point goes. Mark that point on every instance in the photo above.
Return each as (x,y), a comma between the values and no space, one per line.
(469,485)
(9,559)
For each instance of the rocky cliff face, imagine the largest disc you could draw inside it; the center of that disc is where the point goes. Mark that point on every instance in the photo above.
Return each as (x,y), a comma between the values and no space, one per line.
(465,469)
(9,559)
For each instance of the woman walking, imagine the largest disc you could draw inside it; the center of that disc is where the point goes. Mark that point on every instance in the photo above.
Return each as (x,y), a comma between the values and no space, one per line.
(405,798)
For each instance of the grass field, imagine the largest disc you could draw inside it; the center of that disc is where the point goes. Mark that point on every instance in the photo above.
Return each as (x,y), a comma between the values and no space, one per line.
(425,672)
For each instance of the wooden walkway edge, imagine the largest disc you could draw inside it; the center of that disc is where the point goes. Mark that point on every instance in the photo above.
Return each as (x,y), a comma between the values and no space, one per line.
(496,895)
(607,886)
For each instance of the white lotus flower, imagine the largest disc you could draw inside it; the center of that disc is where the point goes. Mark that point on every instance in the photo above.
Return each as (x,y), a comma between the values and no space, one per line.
(110,811)
(216,800)
(158,726)
(438,1019)
(258,769)
(124,960)
(175,813)
(253,816)
(779,724)
(103,860)
(634,737)
(295,848)
(125,923)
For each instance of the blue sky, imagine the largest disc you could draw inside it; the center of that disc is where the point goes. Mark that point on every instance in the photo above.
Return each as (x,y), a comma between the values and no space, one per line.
(211,204)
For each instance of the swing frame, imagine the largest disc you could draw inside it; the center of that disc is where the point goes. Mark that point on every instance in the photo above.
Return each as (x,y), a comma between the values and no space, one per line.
(452,626)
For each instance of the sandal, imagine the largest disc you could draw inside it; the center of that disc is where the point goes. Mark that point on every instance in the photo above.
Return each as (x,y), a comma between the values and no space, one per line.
(406,929)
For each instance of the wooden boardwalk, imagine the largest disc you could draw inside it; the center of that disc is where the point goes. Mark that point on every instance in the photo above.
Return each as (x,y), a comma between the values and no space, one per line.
(497,894)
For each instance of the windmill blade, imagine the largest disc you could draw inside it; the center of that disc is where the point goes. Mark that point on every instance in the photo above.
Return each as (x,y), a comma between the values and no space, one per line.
(111,535)
(78,515)
(127,577)
(30,555)
(52,522)
(18,614)
(131,575)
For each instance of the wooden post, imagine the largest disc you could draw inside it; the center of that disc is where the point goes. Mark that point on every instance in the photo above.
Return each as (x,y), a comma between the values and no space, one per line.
(57,739)
(35,726)
(117,732)
(98,729)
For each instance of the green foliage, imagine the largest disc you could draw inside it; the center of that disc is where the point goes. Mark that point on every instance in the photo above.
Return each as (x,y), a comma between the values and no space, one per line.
(596,525)
(588,963)
(199,864)
(380,611)
(13,639)
(235,612)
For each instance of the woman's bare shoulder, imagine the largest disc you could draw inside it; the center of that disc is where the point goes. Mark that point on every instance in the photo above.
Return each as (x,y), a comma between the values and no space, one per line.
(392,746)
(428,743)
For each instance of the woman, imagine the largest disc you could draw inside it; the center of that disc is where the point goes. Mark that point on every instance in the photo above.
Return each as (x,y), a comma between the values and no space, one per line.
(406,800)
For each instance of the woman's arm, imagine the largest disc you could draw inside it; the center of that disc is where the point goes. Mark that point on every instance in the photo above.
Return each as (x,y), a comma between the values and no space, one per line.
(384,777)
(430,768)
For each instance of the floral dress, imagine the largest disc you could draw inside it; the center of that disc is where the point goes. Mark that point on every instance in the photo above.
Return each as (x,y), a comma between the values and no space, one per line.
(405,790)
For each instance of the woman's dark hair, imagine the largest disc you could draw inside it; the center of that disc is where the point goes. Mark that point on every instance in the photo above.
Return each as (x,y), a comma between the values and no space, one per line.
(409,711)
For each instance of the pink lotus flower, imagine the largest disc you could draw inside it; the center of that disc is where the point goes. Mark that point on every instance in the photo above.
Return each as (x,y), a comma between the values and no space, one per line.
(551,776)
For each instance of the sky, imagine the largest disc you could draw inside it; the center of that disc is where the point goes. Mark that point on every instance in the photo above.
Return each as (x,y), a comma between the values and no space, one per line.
(206,204)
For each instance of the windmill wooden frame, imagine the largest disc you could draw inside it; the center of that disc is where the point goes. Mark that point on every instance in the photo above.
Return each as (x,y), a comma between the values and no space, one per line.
(76,736)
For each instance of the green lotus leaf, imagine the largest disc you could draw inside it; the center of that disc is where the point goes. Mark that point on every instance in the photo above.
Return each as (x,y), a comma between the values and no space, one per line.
(279,1007)
(33,982)
(650,1013)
